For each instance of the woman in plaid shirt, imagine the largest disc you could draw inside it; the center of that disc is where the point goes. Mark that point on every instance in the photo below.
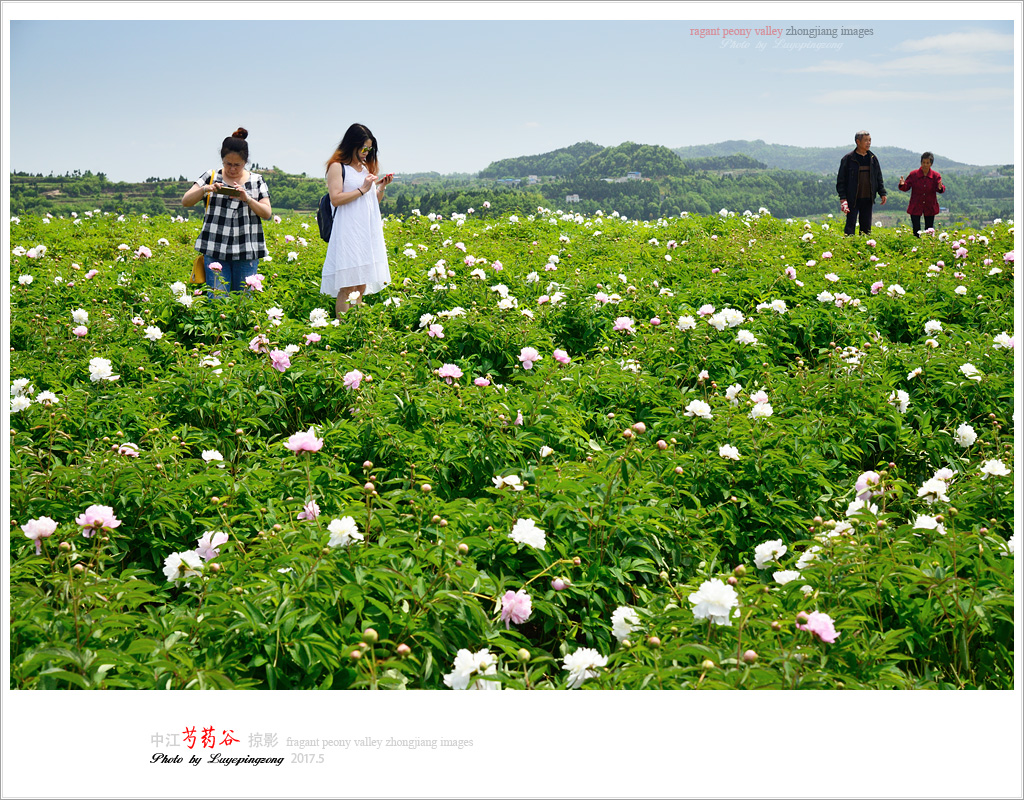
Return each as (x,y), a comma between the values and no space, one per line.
(231,240)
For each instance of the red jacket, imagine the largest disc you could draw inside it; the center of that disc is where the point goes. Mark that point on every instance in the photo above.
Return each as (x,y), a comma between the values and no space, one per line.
(922,198)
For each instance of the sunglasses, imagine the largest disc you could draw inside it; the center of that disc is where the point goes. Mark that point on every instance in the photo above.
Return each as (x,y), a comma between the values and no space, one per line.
(365,149)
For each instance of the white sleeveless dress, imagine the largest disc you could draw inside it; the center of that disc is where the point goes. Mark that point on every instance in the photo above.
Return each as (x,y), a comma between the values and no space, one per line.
(356,253)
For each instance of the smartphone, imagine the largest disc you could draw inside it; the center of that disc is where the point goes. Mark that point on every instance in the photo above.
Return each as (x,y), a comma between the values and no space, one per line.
(385,177)
(229,191)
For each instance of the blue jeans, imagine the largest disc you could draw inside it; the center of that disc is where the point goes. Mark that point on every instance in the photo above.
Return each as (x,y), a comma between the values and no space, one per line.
(231,277)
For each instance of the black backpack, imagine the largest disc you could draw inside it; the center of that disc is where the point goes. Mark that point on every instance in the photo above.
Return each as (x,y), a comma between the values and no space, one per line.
(325,212)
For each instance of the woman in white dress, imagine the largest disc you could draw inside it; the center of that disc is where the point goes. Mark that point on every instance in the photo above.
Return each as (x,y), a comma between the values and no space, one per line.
(357,259)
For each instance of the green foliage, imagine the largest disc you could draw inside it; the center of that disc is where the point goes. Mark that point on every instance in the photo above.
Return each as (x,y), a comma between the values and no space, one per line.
(637,494)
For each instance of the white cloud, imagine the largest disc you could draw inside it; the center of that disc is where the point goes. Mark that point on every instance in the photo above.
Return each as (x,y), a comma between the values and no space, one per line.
(963,42)
(921,66)
(980,96)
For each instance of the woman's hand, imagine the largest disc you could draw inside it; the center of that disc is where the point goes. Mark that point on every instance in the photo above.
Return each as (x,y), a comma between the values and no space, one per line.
(368,182)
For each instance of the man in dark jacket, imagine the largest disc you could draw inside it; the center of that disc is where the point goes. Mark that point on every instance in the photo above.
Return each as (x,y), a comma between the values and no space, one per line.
(859,180)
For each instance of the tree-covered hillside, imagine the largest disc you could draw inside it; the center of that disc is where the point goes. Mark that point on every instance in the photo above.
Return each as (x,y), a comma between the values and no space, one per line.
(823,160)
(564,161)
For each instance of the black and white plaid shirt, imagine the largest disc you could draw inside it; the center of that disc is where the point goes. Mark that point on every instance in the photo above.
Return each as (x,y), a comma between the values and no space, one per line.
(231,231)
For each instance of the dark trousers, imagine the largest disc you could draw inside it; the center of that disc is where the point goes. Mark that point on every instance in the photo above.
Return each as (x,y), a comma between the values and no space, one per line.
(915,221)
(863,209)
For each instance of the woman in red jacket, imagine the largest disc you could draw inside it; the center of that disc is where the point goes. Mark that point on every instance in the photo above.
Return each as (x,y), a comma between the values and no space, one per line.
(924,183)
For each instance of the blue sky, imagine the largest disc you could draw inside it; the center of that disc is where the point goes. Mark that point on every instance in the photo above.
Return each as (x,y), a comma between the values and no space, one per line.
(153,97)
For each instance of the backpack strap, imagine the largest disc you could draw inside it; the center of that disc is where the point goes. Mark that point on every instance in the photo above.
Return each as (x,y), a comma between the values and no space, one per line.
(335,212)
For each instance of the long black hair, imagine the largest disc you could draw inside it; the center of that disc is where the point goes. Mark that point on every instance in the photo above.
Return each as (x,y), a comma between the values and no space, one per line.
(353,139)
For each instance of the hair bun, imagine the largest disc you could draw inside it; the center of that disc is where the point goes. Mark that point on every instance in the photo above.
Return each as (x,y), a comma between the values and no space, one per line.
(241,133)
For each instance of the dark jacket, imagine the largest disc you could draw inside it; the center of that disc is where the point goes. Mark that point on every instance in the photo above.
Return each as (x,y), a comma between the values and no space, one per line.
(846,181)
(922,190)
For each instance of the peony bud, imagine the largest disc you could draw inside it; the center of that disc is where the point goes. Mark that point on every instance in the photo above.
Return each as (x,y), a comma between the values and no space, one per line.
(523,654)
(370,636)
(639,427)
(750,657)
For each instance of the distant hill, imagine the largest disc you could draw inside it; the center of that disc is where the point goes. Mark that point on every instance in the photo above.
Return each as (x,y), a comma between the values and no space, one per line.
(587,160)
(821,160)
(557,163)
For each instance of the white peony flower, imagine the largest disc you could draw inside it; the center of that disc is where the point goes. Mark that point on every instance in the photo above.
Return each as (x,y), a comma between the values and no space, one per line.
(965,435)
(181,566)
(714,600)
(624,622)
(768,551)
(525,531)
(697,408)
(994,467)
(728,451)
(970,372)
(343,532)
(468,664)
(583,664)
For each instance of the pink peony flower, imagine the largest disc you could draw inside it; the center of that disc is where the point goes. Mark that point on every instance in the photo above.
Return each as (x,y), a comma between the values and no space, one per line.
(561,356)
(144,252)
(216,266)
(519,418)
(39,529)
(353,379)
(528,355)
(515,607)
(481,382)
(877,286)
(624,324)
(435,331)
(310,511)
(279,360)
(209,544)
(255,282)
(304,441)
(449,372)
(128,449)
(81,330)
(791,273)
(258,343)
(1008,257)
(92,274)
(864,482)
(821,626)
(312,337)
(97,518)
